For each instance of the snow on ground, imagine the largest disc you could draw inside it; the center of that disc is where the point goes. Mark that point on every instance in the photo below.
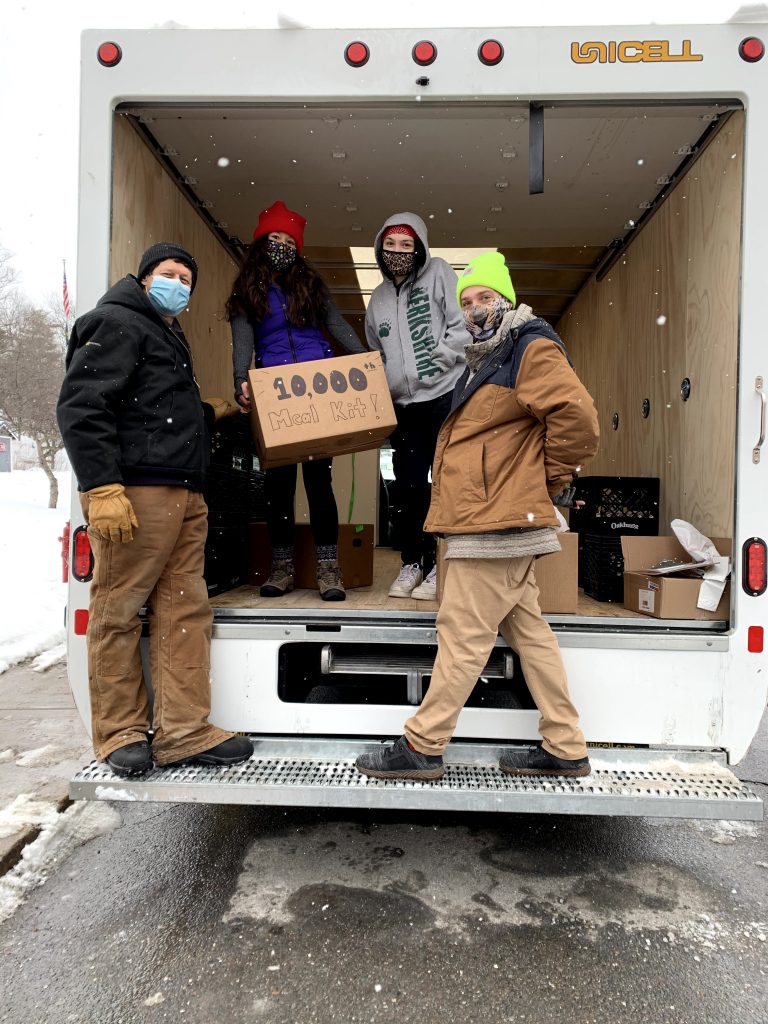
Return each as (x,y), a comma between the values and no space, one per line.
(60,837)
(33,596)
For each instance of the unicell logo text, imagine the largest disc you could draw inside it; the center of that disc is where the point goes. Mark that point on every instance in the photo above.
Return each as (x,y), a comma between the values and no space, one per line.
(625,526)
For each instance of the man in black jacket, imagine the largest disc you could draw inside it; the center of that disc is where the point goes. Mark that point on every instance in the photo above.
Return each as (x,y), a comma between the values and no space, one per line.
(137,435)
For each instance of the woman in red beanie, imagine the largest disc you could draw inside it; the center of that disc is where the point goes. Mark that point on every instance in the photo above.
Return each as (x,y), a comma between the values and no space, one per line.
(277,311)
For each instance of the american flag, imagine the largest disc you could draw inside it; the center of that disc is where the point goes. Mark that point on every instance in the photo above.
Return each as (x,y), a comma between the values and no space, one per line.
(67,306)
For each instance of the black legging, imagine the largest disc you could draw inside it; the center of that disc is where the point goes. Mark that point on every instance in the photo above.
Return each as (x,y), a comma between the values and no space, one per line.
(280,493)
(413,451)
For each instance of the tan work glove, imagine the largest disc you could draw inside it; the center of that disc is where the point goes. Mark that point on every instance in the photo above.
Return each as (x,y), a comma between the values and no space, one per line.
(222,407)
(110,512)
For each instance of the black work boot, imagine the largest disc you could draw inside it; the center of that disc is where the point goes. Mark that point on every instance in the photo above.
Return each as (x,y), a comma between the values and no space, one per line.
(231,751)
(399,761)
(132,759)
(329,582)
(536,761)
(280,580)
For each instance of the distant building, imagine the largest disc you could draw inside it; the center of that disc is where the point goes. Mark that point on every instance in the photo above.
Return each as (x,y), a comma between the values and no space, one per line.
(7,437)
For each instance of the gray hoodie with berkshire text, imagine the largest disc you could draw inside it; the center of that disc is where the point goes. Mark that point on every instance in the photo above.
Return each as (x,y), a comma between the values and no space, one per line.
(417,327)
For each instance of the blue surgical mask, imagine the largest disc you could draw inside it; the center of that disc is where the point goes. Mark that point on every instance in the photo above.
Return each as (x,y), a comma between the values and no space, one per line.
(168,295)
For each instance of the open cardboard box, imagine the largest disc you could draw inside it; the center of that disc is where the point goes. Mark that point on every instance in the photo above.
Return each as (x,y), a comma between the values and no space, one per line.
(666,597)
(557,576)
(319,409)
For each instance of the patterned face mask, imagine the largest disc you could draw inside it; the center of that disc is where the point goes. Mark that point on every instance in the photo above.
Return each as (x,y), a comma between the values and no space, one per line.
(280,255)
(482,322)
(399,264)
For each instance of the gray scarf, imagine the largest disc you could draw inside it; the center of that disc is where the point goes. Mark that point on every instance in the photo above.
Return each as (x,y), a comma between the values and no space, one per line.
(477,354)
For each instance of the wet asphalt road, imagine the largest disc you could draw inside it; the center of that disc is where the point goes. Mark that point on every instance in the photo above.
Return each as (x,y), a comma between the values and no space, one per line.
(209,914)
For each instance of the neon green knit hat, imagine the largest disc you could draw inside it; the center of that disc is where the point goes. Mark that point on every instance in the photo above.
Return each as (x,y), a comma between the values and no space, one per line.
(487,269)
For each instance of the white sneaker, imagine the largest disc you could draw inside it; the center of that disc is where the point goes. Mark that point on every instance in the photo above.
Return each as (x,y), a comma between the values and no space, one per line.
(427,591)
(406,582)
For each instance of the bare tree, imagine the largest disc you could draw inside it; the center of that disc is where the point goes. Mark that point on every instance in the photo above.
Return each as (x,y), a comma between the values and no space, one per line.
(31,372)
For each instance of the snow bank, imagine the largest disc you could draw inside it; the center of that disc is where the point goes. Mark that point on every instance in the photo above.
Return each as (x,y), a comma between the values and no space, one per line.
(59,839)
(33,597)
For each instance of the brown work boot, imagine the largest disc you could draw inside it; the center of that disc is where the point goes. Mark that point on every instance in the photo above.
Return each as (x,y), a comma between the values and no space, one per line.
(329,582)
(280,580)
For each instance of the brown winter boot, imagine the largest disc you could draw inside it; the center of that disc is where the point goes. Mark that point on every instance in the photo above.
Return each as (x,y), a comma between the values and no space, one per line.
(280,580)
(329,582)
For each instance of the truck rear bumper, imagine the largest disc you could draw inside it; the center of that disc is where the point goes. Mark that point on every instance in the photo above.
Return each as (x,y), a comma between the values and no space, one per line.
(321,773)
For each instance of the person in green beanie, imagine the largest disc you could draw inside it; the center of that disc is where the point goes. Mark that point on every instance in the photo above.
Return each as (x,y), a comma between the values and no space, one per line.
(521,427)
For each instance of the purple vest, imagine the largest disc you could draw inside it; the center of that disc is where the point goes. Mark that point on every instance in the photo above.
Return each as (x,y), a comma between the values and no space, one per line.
(278,341)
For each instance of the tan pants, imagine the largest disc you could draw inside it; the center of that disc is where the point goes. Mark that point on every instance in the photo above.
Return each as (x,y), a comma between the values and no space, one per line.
(162,568)
(482,597)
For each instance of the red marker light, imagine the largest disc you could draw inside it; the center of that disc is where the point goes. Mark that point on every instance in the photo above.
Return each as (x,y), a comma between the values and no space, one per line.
(424,53)
(490,52)
(357,54)
(755,638)
(82,556)
(751,49)
(109,54)
(753,567)
(80,626)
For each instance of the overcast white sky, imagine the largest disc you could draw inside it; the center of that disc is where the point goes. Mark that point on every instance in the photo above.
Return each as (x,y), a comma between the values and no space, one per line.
(39,81)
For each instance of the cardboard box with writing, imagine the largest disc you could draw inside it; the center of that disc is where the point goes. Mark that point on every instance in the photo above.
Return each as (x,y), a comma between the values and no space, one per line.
(319,409)
(666,597)
(557,576)
(355,556)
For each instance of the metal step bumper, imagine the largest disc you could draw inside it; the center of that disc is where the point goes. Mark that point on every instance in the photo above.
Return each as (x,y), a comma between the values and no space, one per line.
(320,773)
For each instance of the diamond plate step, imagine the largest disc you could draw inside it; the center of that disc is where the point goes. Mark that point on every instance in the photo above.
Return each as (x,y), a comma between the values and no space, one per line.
(645,783)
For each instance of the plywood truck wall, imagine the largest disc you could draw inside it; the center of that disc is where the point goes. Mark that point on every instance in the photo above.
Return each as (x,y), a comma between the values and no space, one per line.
(149,207)
(667,310)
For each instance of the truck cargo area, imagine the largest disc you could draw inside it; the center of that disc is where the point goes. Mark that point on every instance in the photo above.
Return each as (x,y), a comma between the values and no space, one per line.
(631,252)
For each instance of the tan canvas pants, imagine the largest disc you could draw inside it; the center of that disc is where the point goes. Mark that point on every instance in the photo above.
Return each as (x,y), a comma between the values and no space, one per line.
(482,597)
(162,568)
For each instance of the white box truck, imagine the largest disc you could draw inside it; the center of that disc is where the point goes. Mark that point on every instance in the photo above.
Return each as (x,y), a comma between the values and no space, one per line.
(622,173)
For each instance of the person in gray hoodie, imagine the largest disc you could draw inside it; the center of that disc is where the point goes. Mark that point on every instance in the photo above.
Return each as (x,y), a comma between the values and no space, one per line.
(414,320)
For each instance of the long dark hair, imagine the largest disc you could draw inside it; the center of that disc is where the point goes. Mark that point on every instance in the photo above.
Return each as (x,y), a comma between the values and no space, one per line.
(306,292)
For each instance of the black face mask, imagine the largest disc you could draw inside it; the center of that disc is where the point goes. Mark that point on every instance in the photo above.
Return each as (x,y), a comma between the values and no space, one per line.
(399,264)
(280,255)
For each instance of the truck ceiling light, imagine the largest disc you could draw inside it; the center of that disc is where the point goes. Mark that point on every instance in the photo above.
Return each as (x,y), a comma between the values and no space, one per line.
(490,52)
(345,184)
(753,567)
(751,49)
(109,54)
(357,54)
(82,556)
(337,154)
(424,53)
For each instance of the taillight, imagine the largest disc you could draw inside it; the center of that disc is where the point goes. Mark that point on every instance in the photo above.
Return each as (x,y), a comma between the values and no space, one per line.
(753,578)
(109,54)
(490,52)
(424,53)
(357,54)
(82,556)
(751,49)
(64,538)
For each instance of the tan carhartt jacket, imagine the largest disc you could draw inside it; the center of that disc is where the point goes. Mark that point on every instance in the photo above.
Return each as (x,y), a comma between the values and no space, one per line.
(519,430)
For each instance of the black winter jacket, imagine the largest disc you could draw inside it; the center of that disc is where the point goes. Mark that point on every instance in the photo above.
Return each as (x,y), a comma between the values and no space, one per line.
(130,410)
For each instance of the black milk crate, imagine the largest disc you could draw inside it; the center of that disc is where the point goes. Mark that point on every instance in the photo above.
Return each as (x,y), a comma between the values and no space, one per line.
(226,551)
(616,506)
(601,567)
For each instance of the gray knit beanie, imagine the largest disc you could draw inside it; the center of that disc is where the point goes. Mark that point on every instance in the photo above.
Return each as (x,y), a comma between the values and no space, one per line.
(166,251)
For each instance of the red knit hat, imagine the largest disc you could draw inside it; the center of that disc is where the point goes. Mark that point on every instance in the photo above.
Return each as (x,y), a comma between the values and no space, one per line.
(399,229)
(279,218)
